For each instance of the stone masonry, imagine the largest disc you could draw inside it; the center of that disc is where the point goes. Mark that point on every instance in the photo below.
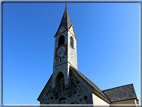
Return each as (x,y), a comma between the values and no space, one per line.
(74,93)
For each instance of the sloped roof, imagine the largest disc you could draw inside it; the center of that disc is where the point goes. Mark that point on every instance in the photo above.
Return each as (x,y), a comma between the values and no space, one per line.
(121,93)
(66,19)
(90,83)
(66,22)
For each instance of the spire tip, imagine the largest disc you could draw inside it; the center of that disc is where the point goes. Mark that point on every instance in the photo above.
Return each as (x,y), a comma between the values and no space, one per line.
(66,2)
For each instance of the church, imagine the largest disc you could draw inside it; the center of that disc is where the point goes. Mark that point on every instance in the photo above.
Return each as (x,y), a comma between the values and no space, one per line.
(67,85)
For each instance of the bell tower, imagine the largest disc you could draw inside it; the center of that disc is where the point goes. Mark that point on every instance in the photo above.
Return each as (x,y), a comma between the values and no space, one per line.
(65,50)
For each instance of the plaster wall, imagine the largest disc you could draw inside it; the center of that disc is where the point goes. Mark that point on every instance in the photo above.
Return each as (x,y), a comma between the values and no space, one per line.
(99,101)
(72,52)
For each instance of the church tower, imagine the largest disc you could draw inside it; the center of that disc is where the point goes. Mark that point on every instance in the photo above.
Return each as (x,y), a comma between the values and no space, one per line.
(65,50)
(67,85)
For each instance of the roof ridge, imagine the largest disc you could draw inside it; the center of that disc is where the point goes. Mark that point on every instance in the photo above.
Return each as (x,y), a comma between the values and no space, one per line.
(66,18)
(65,21)
(121,93)
(119,87)
(89,82)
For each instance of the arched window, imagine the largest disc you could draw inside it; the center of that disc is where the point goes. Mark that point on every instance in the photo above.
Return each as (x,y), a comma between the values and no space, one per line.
(61,40)
(71,42)
(60,84)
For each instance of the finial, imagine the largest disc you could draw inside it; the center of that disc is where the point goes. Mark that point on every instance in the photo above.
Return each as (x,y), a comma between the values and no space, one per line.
(66,2)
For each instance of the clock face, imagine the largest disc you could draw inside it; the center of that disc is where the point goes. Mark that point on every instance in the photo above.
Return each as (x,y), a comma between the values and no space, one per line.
(61,51)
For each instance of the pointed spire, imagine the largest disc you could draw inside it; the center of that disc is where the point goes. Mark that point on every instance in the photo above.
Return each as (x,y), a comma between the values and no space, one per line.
(66,18)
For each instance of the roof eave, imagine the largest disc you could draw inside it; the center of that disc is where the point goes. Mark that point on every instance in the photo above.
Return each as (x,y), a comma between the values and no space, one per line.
(44,88)
(124,100)
(59,28)
(74,33)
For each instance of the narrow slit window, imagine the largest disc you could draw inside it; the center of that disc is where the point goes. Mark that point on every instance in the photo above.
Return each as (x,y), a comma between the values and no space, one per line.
(63,86)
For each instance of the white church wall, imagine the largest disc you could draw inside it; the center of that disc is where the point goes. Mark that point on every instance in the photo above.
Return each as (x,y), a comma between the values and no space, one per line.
(71,30)
(72,52)
(99,101)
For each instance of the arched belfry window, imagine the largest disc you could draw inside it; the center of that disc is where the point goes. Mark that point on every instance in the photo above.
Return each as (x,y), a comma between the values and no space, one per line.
(61,40)
(71,42)
(60,83)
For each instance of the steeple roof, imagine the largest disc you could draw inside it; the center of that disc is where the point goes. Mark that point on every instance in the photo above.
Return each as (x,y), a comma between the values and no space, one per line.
(66,22)
(66,19)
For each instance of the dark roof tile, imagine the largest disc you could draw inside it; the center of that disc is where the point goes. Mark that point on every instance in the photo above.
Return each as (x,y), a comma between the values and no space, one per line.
(66,19)
(121,93)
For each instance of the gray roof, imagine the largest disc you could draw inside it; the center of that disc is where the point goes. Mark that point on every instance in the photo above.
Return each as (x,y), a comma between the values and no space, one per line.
(66,22)
(66,19)
(90,83)
(121,93)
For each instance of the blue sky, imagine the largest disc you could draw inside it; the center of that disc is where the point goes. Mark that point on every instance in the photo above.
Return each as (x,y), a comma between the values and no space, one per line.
(107,45)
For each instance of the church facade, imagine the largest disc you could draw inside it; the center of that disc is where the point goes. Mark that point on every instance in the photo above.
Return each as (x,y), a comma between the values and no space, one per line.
(67,85)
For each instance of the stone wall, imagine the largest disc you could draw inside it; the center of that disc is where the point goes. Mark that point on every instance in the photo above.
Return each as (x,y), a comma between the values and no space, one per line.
(70,58)
(61,68)
(74,93)
(63,58)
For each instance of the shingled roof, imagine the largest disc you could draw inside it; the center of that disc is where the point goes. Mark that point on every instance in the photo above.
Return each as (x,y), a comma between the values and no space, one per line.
(90,83)
(66,22)
(121,93)
(66,19)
